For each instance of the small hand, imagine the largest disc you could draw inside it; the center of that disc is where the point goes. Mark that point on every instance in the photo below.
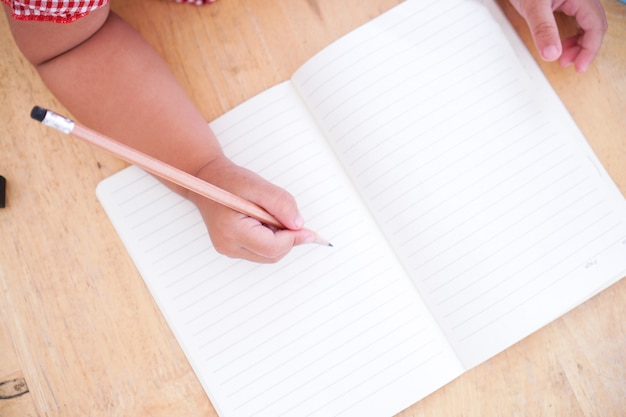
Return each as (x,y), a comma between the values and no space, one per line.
(580,49)
(239,236)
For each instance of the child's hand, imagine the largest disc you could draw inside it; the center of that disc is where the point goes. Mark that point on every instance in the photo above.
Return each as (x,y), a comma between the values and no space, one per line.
(239,236)
(579,50)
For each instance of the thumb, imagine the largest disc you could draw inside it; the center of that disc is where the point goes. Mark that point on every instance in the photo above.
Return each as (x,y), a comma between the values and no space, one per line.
(540,19)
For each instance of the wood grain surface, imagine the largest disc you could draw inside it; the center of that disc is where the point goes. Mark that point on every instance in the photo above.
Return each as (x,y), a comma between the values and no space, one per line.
(80,335)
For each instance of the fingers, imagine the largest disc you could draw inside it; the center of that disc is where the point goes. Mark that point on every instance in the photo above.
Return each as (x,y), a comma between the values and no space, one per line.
(571,50)
(270,249)
(239,236)
(582,49)
(540,18)
(579,50)
(279,203)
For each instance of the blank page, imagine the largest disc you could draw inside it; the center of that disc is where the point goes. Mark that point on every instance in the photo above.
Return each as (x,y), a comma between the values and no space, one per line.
(327,331)
(472,167)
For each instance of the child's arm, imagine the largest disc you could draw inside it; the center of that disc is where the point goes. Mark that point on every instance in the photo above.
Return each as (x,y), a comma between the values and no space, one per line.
(113,81)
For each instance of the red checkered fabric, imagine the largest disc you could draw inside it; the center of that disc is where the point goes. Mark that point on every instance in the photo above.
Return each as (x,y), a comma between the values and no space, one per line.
(60,11)
(63,11)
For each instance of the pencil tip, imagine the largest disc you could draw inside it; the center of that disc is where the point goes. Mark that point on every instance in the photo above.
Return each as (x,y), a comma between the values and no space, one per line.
(321,241)
(331,245)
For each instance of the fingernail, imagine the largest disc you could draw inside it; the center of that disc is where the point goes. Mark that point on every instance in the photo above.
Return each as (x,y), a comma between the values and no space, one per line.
(550,53)
(298,221)
(582,67)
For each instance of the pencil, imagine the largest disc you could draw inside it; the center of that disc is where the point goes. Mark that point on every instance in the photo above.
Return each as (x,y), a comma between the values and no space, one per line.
(159,168)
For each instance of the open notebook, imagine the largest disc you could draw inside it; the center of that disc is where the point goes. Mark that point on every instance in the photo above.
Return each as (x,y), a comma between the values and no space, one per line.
(466,210)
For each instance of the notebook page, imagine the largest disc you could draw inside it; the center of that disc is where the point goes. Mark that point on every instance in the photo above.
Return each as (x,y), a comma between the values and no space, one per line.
(327,331)
(478,176)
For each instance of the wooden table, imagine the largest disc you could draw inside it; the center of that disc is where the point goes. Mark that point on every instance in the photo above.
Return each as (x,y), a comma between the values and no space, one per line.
(81,336)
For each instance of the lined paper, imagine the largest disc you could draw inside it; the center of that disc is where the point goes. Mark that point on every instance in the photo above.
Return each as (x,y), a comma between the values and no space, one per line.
(465,206)
(479,178)
(327,331)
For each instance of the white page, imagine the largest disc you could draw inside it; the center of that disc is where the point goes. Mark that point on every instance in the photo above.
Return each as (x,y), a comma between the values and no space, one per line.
(327,331)
(477,174)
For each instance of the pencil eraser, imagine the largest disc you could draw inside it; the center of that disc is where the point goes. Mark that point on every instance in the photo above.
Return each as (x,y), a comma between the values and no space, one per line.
(3,189)
(38,113)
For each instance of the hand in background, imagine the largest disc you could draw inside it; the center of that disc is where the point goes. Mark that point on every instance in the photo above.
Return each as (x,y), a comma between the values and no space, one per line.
(239,236)
(580,49)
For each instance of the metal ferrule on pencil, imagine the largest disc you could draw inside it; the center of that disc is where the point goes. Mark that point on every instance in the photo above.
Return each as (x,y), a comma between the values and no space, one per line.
(52,119)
